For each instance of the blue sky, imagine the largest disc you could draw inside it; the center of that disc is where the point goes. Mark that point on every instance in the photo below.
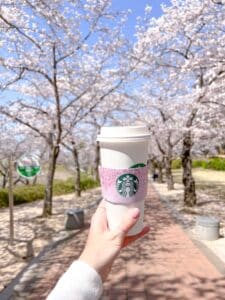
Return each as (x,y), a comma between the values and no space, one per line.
(137,7)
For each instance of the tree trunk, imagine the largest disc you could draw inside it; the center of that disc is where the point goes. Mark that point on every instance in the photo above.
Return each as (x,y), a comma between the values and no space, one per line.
(77,176)
(160,170)
(188,180)
(34,180)
(152,165)
(97,162)
(55,134)
(4,181)
(53,155)
(169,175)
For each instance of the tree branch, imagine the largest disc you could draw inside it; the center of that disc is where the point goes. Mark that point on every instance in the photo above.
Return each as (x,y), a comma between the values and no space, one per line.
(42,111)
(19,76)
(57,97)
(41,73)
(20,31)
(27,124)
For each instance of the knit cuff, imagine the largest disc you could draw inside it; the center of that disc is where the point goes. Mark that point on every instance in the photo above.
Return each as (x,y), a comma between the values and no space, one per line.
(79,282)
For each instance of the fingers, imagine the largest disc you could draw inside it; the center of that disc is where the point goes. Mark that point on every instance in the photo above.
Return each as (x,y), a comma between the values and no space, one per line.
(130,218)
(99,220)
(130,239)
(101,204)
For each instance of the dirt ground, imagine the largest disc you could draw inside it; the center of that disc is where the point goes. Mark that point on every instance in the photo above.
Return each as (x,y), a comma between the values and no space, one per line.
(32,232)
(210,188)
(204,178)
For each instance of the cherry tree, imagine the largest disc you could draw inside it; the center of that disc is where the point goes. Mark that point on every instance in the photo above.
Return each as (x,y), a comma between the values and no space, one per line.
(16,141)
(182,45)
(167,137)
(60,58)
(113,112)
(81,134)
(162,113)
(74,142)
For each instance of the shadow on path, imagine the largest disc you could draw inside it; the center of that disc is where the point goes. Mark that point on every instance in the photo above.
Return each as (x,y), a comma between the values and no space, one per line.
(164,265)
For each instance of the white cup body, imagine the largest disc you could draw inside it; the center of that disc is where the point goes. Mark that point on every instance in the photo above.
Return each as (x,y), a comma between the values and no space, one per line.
(123,153)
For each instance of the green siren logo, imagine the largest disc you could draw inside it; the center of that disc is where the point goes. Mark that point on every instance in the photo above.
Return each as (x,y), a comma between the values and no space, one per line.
(127,185)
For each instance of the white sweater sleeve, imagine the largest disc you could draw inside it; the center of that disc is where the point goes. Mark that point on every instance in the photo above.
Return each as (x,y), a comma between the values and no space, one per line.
(79,282)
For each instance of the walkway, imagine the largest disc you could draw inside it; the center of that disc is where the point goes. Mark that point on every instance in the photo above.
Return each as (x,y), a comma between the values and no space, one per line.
(165,265)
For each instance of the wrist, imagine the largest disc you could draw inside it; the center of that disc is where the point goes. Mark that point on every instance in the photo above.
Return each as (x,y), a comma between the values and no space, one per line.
(88,260)
(92,262)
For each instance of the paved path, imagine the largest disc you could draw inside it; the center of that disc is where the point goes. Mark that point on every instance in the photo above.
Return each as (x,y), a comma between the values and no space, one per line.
(164,265)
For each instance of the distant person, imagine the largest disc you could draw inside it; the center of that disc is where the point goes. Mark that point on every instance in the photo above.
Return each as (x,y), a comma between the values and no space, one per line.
(155,176)
(83,280)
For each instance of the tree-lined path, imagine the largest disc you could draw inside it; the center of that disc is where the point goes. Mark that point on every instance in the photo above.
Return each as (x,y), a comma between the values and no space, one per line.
(164,265)
(67,69)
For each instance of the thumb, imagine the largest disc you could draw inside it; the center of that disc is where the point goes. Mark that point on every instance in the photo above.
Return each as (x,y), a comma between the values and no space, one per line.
(129,220)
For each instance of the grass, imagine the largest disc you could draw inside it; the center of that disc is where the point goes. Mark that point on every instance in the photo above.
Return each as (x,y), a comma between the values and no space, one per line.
(30,193)
(214,163)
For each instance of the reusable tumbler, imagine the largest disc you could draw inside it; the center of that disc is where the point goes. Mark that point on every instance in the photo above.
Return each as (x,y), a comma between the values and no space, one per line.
(123,172)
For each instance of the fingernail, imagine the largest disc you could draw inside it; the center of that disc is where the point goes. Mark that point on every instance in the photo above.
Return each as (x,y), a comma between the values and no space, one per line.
(135,213)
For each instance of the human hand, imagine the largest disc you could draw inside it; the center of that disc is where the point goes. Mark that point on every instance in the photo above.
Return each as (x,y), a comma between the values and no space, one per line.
(103,245)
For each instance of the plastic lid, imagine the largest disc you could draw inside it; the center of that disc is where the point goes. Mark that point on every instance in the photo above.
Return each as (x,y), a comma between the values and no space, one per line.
(207,221)
(123,133)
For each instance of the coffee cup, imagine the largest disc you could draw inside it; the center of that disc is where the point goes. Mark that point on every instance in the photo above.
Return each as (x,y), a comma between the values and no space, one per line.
(123,172)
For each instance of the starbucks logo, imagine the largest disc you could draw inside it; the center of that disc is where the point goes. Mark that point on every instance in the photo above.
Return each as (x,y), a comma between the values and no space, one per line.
(127,185)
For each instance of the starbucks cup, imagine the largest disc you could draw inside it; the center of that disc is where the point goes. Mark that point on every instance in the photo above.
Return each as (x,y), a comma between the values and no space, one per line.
(123,172)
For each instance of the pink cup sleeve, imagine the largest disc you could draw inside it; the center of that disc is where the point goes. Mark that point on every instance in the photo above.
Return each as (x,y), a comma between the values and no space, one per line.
(124,186)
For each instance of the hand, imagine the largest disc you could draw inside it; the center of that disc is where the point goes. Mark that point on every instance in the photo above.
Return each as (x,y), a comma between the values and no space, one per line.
(103,245)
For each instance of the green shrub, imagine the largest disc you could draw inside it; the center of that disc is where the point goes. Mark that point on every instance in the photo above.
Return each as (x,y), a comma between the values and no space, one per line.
(30,193)
(198,163)
(4,202)
(63,187)
(176,163)
(216,163)
(204,164)
(88,182)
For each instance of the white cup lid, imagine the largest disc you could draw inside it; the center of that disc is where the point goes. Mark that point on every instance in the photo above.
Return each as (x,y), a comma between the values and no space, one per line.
(123,133)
